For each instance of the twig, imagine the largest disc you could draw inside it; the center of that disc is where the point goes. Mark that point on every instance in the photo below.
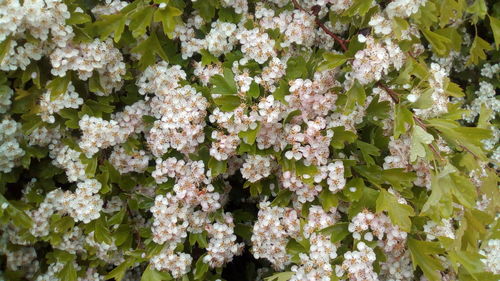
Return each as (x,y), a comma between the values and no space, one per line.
(315,11)
(394,96)
(391,92)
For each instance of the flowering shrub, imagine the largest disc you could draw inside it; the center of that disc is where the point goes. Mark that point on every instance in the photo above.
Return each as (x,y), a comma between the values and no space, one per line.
(249,140)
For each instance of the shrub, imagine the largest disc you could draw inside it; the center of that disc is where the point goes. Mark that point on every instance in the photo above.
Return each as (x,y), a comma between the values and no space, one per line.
(249,140)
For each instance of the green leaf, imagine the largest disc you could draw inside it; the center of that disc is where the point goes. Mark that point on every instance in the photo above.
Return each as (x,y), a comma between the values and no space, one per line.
(110,24)
(78,18)
(477,50)
(368,149)
(427,15)
(377,111)
(423,255)
(228,103)
(95,83)
(281,91)
(120,270)
(254,90)
(117,218)
(328,199)
(420,138)
(224,85)
(478,9)
(148,49)
(337,232)
(90,163)
(217,167)
(282,276)
(356,94)
(101,232)
(296,67)
(206,9)
(399,178)
(463,190)
(354,189)
(250,135)
(495,28)
(440,44)
(342,136)
(398,213)
(283,198)
(446,185)
(200,238)
(471,261)
(168,17)
(68,272)
(59,85)
(5,47)
(206,57)
(151,274)
(359,7)
(469,138)
(201,268)
(449,11)
(331,60)
(140,20)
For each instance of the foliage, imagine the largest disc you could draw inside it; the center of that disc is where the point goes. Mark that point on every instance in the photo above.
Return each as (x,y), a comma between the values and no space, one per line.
(249,140)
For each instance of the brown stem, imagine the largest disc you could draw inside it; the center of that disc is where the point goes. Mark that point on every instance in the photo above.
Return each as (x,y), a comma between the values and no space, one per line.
(395,98)
(391,92)
(315,12)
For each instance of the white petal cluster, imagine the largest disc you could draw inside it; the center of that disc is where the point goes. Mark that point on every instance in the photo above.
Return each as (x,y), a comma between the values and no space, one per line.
(223,146)
(256,45)
(85,203)
(336,180)
(10,148)
(359,264)
(5,95)
(305,192)
(239,6)
(391,238)
(23,259)
(485,96)
(43,136)
(11,16)
(170,219)
(178,264)
(73,241)
(371,63)
(257,167)
(86,58)
(104,251)
(50,105)
(68,159)
(180,111)
(403,8)
(397,268)
(440,99)
(109,7)
(491,252)
(316,266)
(271,232)
(319,219)
(126,162)
(98,133)
(38,17)
(222,246)
(443,229)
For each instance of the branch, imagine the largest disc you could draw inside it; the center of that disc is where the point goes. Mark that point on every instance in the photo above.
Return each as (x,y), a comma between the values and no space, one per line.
(391,92)
(315,10)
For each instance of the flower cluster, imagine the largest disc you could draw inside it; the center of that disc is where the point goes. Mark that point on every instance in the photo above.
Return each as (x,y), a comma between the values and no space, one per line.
(300,140)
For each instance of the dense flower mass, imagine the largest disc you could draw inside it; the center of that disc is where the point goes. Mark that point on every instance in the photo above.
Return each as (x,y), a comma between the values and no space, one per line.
(303,140)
